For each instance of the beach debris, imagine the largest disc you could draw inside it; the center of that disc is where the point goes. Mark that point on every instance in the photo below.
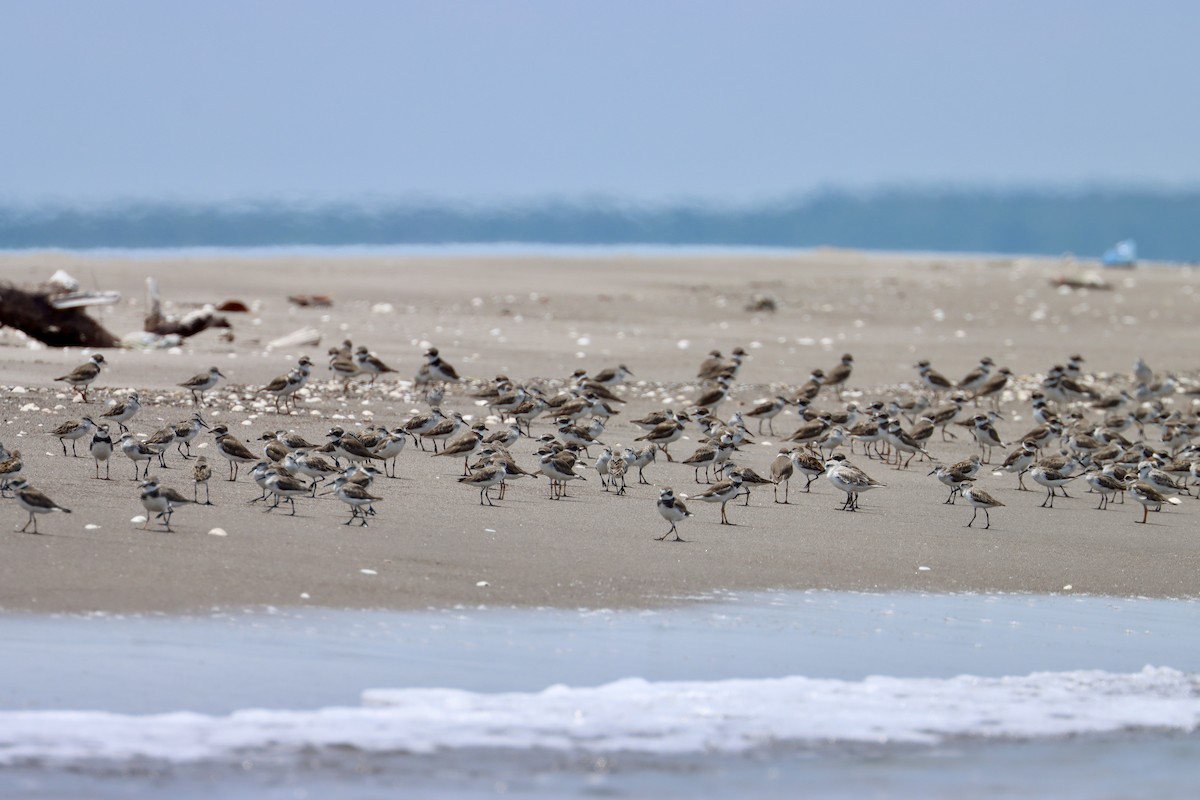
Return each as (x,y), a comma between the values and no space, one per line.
(383,308)
(482,583)
(139,519)
(145,340)
(218,532)
(53,313)
(923,569)
(368,572)
(91,526)
(234,307)
(1085,280)
(303,337)
(311,300)
(190,324)
(762,303)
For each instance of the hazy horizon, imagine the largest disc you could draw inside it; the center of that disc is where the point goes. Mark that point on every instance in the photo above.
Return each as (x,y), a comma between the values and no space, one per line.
(662,103)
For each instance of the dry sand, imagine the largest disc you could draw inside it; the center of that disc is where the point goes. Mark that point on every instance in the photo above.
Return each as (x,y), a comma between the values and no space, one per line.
(543,316)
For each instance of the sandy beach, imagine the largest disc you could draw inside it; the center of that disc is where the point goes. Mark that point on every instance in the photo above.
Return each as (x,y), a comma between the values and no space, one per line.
(540,317)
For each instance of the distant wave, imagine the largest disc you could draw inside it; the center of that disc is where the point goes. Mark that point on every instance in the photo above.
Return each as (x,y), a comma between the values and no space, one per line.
(1085,222)
(634,715)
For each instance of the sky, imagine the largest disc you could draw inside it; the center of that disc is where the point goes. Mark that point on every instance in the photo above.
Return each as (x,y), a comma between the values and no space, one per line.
(493,101)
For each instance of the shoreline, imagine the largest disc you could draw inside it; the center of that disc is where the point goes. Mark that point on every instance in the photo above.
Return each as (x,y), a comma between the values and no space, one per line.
(431,544)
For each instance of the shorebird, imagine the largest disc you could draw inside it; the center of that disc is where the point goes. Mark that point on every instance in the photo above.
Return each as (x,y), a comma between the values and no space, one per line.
(186,431)
(283,387)
(1104,485)
(811,387)
(1052,479)
(673,511)
(160,501)
(781,472)
(848,478)
(977,377)
(201,473)
(83,375)
(33,501)
(137,451)
(356,497)
(749,478)
(312,465)
(1018,461)
(612,376)
(713,397)
(101,449)
(559,470)
(978,499)
(711,367)
(348,446)
(442,430)
(285,487)
(232,449)
(809,466)
(466,445)
(10,468)
(370,364)
(840,373)
(721,492)
(74,430)
(987,437)
(663,435)
(933,380)
(390,447)
(199,384)
(1148,496)
(484,479)
(957,481)
(159,441)
(768,410)
(438,370)
(640,459)
(123,411)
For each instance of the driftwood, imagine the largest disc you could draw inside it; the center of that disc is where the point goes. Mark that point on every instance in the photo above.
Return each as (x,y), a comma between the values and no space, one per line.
(32,312)
(189,324)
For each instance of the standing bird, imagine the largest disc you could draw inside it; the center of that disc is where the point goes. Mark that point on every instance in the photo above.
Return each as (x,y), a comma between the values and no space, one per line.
(73,429)
(438,370)
(83,375)
(850,479)
(1052,479)
(137,451)
(768,410)
(123,411)
(10,468)
(233,450)
(370,364)
(201,473)
(1019,460)
(484,479)
(160,501)
(102,449)
(199,384)
(186,431)
(841,373)
(673,511)
(935,381)
(978,499)
(34,502)
(356,497)
(722,492)
(1148,496)
(781,472)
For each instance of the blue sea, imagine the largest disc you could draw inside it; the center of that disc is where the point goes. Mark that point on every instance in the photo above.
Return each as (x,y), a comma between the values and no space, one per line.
(825,694)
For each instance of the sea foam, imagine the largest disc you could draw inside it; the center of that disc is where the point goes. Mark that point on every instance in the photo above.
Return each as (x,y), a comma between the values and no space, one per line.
(634,715)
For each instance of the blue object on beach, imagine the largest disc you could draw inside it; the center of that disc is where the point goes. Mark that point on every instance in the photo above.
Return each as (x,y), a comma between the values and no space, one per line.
(1121,254)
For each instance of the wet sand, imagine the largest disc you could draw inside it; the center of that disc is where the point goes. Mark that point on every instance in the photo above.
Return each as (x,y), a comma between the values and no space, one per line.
(432,545)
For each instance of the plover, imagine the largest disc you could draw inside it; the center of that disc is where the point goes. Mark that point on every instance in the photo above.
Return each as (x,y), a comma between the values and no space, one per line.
(343,366)
(370,364)
(186,431)
(483,480)
(1052,479)
(439,370)
(903,443)
(953,479)
(781,472)
(465,445)
(312,465)
(978,499)
(977,377)
(418,424)
(1018,462)
(986,436)
(673,511)
(933,380)
(82,376)
(749,478)
(807,465)
(33,501)
(282,387)
(612,376)
(640,459)
(559,470)
(663,435)
(232,450)
(137,452)
(390,448)
(101,449)
(811,387)
(848,478)
(124,410)
(160,501)
(74,430)
(768,410)
(348,446)
(443,430)
(10,468)
(711,367)
(1104,485)
(712,398)
(201,383)
(1148,496)
(201,473)
(159,441)
(357,498)
(721,492)
(285,487)
(838,376)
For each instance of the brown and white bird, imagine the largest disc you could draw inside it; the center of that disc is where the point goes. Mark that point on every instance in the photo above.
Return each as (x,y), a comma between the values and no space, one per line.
(1149,496)
(673,511)
(933,380)
(234,450)
(483,480)
(978,499)
(438,370)
(722,492)
(370,364)
(73,430)
(201,473)
(124,410)
(201,383)
(10,468)
(33,501)
(82,376)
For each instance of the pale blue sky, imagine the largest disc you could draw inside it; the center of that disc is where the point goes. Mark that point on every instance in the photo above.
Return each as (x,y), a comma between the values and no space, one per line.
(639,100)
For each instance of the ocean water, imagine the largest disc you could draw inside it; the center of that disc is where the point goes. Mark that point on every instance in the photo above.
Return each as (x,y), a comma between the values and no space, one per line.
(757,695)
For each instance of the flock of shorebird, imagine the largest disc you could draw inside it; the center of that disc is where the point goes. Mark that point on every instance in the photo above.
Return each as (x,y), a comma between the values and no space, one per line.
(1083,430)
